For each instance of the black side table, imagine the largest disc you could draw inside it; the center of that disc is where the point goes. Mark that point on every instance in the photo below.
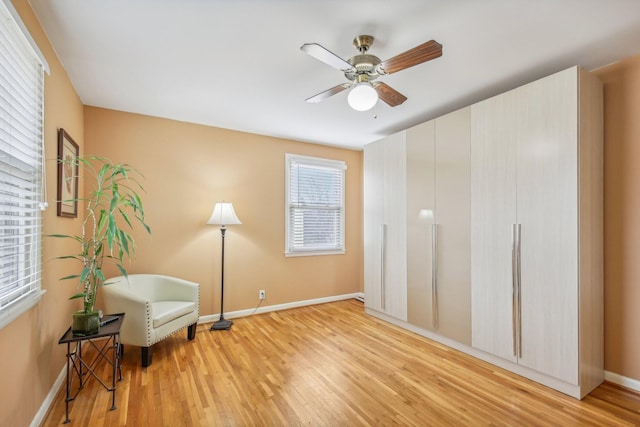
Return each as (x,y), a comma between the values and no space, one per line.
(107,339)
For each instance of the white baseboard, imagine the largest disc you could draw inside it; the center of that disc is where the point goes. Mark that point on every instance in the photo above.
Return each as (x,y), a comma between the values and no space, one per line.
(48,400)
(623,381)
(269,308)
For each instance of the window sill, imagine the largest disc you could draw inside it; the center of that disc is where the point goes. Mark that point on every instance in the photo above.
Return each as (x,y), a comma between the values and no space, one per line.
(21,307)
(314,253)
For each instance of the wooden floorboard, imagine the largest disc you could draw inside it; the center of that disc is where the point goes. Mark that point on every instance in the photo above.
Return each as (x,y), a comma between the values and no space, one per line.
(328,365)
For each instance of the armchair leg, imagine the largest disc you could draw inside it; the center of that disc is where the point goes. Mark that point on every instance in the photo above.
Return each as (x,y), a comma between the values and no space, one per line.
(191,331)
(146,356)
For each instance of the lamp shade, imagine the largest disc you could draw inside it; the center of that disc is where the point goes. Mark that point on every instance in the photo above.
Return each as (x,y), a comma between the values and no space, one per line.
(223,214)
(362,97)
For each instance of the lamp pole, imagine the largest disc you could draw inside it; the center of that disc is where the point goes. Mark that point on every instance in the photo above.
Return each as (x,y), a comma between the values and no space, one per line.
(222,323)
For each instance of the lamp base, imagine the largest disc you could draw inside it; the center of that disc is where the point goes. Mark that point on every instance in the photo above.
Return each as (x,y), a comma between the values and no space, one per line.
(221,325)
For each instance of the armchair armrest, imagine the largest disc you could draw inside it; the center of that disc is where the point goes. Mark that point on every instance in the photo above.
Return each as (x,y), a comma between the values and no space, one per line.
(137,322)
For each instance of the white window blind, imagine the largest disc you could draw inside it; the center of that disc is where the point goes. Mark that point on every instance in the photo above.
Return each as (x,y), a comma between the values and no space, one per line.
(315,205)
(21,168)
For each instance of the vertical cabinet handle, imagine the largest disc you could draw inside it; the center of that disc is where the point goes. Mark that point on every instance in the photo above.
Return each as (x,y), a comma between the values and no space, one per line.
(514,288)
(383,244)
(434,275)
(519,277)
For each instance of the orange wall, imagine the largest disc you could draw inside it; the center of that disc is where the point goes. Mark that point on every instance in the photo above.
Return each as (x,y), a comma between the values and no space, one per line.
(187,169)
(621,212)
(31,358)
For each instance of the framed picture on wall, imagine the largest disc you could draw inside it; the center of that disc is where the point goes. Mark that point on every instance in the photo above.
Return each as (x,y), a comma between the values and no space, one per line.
(67,175)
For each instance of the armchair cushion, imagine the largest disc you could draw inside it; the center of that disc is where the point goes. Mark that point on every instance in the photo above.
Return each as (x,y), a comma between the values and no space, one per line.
(166,311)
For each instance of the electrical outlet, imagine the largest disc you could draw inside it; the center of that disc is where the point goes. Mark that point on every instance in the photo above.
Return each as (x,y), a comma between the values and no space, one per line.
(262,294)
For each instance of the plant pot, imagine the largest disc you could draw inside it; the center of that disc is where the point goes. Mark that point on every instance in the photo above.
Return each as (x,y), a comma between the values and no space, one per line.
(85,323)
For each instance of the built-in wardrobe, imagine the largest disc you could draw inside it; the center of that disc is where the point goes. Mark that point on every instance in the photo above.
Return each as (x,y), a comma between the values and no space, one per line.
(483,230)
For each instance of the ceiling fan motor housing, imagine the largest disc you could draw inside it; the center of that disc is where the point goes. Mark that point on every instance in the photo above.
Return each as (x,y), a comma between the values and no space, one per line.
(363,64)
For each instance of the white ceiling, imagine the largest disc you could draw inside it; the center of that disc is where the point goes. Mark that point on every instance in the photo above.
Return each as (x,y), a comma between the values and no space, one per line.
(237,64)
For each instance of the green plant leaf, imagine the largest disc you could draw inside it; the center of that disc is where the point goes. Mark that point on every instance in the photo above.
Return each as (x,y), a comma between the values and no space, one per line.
(126,217)
(78,257)
(111,231)
(124,241)
(65,236)
(103,171)
(122,270)
(100,275)
(84,274)
(115,197)
(102,220)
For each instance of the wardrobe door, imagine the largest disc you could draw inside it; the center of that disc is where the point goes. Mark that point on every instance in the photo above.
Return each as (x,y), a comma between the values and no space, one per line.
(420,221)
(547,206)
(493,219)
(385,226)
(453,222)
(395,226)
(373,182)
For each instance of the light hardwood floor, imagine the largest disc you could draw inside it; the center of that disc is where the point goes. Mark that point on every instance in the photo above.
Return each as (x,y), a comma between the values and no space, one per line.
(328,365)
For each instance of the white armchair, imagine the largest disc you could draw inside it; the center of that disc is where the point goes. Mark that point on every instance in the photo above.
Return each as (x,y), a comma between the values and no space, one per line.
(156,306)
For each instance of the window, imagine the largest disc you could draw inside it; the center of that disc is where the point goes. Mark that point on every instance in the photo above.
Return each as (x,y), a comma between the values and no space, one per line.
(21,168)
(315,206)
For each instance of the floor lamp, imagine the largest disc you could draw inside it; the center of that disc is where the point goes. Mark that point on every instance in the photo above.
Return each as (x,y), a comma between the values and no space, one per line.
(223,215)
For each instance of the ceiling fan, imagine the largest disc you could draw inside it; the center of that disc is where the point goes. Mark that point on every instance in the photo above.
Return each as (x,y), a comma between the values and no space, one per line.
(364,68)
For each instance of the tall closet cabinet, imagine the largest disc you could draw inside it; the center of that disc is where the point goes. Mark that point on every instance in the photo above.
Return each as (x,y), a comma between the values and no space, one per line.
(536,209)
(483,230)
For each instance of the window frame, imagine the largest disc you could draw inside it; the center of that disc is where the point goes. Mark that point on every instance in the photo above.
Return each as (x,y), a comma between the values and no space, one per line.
(337,165)
(22,175)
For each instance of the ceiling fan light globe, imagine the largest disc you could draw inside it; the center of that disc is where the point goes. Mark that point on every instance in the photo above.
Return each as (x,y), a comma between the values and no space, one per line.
(362,97)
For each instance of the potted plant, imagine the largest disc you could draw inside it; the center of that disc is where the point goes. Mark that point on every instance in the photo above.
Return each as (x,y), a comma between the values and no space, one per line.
(112,207)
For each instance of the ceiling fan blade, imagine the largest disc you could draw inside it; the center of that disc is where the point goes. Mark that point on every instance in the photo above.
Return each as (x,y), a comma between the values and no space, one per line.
(419,54)
(389,94)
(327,93)
(326,56)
